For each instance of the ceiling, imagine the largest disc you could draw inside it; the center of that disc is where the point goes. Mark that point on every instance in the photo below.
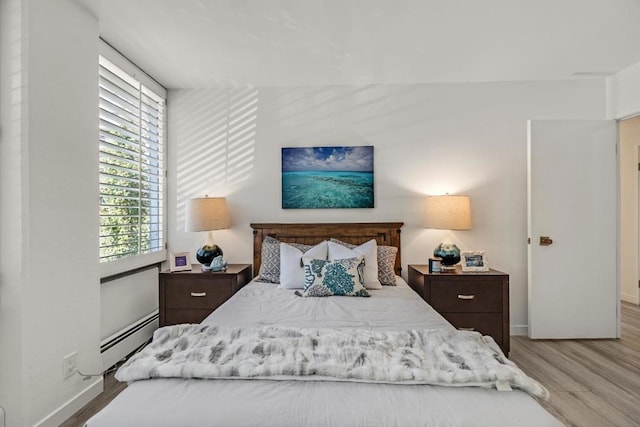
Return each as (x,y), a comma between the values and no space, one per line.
(209,43)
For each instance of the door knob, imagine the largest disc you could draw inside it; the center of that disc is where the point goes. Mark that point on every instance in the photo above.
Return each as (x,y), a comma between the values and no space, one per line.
(545,241)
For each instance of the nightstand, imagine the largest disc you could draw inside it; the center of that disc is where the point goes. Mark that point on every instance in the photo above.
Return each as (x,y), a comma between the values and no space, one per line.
(476,301)
(190,296)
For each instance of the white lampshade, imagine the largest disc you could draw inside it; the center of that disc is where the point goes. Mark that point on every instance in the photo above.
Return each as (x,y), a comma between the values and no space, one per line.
(207,213)
(448,212)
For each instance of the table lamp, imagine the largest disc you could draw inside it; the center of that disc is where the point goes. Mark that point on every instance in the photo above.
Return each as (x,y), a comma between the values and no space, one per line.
(208,214)
(448,213)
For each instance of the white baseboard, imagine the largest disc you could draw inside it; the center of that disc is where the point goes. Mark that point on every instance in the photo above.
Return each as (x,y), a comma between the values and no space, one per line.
(520,330)
(123,342)
(73,405)
(113,349)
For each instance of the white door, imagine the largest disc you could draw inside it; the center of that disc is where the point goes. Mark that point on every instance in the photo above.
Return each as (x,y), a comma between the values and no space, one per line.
(572,195)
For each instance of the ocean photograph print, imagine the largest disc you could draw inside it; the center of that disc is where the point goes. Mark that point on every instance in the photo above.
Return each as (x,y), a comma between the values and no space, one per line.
(327,177)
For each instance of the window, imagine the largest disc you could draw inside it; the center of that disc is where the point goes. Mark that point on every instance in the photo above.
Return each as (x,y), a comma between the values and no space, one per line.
(132,171)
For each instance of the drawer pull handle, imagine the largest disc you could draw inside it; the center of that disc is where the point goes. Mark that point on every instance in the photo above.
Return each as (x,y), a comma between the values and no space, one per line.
(198,294)
(466,329)
(466,296)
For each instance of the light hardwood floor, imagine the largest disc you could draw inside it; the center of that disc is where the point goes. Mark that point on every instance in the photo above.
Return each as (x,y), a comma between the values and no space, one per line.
(592,382)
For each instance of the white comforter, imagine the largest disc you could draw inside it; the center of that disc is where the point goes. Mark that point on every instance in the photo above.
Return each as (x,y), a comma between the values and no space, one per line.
(190,402)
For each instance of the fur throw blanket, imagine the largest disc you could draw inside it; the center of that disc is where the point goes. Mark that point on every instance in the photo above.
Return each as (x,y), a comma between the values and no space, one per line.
(436,357)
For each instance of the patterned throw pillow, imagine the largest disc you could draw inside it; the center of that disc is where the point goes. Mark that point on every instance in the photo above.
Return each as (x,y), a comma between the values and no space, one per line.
(386,262)
(270,259)
(338,277)
(387,265)
(369,250)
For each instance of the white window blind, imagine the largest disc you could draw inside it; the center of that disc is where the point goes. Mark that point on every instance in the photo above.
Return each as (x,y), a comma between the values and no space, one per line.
(132,181)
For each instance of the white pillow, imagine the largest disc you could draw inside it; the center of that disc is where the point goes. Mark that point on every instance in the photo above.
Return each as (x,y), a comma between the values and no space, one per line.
(370,252)
(291,269)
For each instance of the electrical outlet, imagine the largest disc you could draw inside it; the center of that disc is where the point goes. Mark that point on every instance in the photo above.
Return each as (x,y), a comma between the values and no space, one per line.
(69,364)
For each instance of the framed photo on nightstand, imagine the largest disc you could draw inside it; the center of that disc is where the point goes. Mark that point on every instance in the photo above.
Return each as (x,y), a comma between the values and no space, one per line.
(474,261)
(179,261)
(434,265)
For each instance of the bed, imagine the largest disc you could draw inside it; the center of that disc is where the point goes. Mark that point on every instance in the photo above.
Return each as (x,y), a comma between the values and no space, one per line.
(317,400)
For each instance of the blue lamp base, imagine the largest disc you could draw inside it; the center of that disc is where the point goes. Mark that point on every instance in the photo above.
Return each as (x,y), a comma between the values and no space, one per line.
(450,255)
(207,254)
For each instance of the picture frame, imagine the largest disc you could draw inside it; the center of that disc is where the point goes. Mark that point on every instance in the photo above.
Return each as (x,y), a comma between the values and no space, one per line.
(332,177)
(179,261)
(434,265)
(474,261)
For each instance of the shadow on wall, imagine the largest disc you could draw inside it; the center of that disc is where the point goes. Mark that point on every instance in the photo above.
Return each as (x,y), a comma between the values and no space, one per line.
(215,134)
(374,111)
(442,135)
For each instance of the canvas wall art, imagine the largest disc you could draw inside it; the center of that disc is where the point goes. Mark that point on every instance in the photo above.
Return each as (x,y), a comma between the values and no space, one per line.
(327,177)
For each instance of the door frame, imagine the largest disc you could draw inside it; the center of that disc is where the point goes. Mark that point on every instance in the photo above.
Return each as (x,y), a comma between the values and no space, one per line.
(629,214)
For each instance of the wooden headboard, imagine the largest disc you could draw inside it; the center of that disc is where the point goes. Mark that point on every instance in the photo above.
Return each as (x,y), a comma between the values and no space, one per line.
(385,233)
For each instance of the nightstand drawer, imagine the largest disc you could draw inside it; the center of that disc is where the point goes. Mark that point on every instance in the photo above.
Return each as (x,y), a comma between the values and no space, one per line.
(190,296)
(485,323)
(198,294)
(466,296)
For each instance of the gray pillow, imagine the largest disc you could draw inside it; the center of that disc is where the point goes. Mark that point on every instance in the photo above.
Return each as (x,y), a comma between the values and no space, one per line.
(386,262)
(270,259)
(387,265)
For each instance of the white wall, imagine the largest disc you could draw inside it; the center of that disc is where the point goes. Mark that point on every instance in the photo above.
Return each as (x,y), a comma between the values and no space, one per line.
(50,285)
(12,63)
(126,300)
(623,93)
(428,139)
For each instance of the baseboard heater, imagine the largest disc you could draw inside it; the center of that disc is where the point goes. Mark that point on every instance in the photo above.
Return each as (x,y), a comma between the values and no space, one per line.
(119,345)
